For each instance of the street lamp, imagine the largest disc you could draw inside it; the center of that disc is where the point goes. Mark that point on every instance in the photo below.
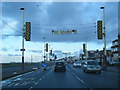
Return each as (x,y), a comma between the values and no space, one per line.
(44,48)
(22,40)
(104,35)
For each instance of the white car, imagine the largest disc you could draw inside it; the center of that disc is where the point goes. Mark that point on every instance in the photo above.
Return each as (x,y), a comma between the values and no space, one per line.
(91,66)
(76,64)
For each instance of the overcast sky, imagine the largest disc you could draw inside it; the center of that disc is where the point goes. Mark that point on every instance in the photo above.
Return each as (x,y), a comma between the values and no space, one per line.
(48,16)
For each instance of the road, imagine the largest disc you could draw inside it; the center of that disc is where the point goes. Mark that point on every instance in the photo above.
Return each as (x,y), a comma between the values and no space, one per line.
(72,78)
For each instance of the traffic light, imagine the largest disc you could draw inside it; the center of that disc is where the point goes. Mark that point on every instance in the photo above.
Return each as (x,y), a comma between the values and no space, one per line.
(28,31)
(50,52)
(84,49)
(75,31)
(99,29)
(46,47)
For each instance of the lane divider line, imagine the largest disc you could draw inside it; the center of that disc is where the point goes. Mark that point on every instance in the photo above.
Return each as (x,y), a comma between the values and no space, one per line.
(80,79)
(77,77)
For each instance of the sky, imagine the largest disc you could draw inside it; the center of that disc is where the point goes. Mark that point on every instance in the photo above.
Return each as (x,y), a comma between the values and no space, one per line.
(57,16)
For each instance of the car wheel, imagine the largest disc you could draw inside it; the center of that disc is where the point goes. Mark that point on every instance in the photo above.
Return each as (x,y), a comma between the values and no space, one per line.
(84,70)
(99,72)
(54,70)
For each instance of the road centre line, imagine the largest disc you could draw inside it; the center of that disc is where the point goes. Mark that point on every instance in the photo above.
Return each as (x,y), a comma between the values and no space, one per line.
(77,77)
(80,79)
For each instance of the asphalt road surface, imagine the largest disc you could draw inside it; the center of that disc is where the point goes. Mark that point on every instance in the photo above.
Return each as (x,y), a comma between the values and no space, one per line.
(72,78)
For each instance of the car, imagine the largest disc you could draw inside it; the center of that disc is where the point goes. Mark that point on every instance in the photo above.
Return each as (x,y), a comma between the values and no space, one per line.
(59,66)
(77,64)
(91,66)
(114,62)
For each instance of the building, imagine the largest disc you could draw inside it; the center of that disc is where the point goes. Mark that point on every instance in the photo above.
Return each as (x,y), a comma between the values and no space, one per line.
(114,49)
(91,54)
(119,46)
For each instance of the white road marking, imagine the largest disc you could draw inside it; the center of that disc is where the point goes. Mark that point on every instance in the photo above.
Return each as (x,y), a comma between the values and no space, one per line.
(76,76)
(16,84)
(33,82)
(23,83)
(80,79)
(36,83)
(26,83)
(11,84)
(16,77)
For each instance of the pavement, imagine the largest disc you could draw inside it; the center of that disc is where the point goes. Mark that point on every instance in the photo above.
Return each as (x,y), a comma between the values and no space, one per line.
(115,69)
(72,78)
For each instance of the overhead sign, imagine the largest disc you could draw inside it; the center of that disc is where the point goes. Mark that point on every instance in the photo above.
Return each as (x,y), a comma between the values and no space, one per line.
(64,32)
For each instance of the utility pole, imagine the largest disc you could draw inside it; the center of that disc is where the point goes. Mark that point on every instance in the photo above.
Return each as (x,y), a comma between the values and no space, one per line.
(31,59)
(104,35)
(49,52)
(86,50)
(23,35)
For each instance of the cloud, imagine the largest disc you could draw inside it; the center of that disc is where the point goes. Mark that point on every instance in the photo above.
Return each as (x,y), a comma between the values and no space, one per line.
(57,51)
(17,49)
(36,51)
(14,54)
(4,49)
(64,16)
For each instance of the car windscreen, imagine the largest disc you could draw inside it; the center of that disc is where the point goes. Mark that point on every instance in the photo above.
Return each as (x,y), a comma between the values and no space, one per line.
(60,63)
(92,63)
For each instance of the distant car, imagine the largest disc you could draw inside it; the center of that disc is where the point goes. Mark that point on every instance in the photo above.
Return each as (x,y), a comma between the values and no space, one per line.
(82,62)
(114,62)
(59,66)
(77,64)
(91,66)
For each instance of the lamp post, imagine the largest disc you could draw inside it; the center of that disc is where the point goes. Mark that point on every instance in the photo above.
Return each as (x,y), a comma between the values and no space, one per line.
(23,40)
(104,35)
(44,48)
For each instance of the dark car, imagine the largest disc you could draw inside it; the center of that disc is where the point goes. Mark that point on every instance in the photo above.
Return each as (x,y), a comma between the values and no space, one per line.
(59,66)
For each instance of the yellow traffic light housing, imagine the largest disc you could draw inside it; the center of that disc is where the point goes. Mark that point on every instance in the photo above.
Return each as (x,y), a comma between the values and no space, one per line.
(46,47)
(84,49)
(99,29)
(50,52)
(28,31)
